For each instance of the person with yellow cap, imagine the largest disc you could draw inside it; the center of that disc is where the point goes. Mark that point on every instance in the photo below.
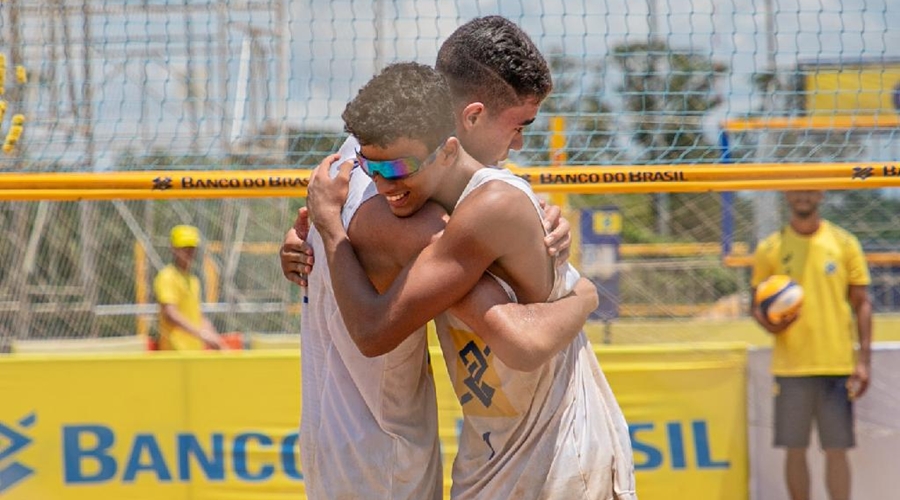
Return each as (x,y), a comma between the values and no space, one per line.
(182,325)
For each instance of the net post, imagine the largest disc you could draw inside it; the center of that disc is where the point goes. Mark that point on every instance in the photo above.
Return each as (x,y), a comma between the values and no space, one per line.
(727,198)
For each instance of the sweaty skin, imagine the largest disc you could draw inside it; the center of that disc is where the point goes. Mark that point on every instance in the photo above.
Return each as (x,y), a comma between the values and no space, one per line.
(522,335)
(485,233)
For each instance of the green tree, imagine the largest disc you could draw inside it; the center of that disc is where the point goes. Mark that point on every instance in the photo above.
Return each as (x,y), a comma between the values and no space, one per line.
(666,93)
(578,97)
(782,94)
(307,147)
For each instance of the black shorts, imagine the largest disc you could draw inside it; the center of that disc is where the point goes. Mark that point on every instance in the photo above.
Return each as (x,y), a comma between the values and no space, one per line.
(800,400)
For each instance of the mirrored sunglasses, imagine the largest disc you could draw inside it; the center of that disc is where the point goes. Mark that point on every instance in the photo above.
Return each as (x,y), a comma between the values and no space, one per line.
(395,170)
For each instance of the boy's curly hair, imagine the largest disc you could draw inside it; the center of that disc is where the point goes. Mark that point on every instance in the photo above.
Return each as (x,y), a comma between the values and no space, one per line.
(491,60)
(405,100)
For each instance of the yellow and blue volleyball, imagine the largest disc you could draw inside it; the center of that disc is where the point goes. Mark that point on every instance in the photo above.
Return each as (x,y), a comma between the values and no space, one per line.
(779,297)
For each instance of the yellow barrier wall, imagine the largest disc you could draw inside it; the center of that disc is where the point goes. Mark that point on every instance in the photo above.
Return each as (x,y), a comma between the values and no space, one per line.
(154,427)
(686,409)
(223,426)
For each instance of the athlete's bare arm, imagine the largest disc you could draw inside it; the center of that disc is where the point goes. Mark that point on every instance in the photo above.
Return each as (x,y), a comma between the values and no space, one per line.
(297,256)
(525,336)
(495,224)
(862,307)
(385,243)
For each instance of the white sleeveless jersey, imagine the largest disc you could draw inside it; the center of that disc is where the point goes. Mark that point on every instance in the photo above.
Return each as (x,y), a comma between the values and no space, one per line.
(369,425)
(554,433)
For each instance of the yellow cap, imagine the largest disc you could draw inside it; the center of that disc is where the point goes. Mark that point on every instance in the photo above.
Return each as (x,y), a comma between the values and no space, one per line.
(185,236)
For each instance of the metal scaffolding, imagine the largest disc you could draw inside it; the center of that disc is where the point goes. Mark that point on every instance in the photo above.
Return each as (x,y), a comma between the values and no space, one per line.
(78,53)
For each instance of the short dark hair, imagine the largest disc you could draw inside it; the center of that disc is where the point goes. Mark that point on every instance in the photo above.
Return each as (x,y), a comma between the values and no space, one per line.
(405,100)
(491,60)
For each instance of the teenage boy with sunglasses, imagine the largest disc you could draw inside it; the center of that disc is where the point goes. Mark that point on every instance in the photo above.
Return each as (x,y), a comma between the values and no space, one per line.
(546,426)
(369,423)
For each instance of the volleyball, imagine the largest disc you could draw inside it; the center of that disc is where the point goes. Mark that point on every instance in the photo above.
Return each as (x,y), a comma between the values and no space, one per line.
(779,297)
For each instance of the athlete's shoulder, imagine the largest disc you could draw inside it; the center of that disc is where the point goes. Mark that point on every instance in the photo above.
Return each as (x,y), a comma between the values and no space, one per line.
(498,202)
(845,242)
(376,233)
(166,273)
(771,242)
(839,233)
(492,174)
(498,184)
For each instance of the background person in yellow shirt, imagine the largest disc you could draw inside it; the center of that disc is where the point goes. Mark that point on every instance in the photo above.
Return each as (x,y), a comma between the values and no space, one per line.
(182,325)
(818,369)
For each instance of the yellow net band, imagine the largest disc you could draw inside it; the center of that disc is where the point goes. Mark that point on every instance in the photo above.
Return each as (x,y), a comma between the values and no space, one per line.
(585,180)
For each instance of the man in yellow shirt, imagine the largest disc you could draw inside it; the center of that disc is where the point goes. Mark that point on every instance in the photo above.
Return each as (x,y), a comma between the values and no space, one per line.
(182,325)
(818,369)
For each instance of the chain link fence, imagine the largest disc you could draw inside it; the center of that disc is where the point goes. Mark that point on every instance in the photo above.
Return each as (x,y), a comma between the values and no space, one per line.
(118,85)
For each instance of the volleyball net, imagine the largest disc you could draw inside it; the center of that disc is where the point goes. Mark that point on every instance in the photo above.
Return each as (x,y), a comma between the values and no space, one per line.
(121,119)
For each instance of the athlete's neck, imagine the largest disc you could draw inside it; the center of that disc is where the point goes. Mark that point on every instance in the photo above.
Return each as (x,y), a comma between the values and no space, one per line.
(458,176)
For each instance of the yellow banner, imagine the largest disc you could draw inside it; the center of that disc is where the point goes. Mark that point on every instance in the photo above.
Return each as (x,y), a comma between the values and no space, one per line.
(150,427)
(686,409)
(852,89)
(209,426)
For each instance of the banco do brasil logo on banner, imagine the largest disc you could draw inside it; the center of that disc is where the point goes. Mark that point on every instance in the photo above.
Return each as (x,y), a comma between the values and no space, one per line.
(12,441)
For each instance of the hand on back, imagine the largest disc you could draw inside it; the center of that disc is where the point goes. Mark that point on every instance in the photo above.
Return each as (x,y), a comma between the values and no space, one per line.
(326,195)
(329,195)
(296,255)
(559,232)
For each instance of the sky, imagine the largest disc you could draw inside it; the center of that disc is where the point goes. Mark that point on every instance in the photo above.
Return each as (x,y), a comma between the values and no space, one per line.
(139,60)
(333,41)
